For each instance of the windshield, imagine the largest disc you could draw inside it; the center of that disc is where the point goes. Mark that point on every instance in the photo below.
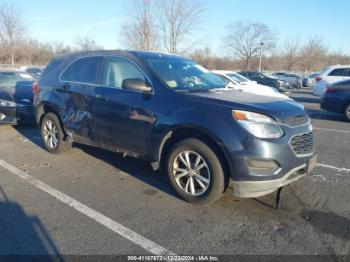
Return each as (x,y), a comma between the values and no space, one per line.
(184,75)
(238,77)
(12,79)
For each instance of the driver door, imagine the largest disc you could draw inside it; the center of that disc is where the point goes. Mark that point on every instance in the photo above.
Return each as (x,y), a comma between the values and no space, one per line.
(131,116)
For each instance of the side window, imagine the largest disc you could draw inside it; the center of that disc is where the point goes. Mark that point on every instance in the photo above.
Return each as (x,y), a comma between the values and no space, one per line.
(224,79)
(84,70)
(116,70)
(339,72)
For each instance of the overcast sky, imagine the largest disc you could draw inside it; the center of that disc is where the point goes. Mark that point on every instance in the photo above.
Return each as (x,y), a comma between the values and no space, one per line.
(64,20)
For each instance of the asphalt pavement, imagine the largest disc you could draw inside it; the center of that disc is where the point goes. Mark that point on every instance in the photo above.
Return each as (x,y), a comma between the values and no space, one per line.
(94,202)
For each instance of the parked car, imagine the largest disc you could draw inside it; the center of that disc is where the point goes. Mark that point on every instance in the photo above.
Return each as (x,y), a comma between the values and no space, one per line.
(309,81)
(241,83)
(329,76)
(266,80)
(337,98)
(16,97)
(294,80)
(179,116)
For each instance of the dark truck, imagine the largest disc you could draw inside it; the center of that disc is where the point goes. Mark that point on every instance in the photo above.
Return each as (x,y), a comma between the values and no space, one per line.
(178,116)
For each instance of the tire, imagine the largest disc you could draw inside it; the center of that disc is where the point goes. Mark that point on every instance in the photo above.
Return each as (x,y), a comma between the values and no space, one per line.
(347,112)
(209,173)
(51,128)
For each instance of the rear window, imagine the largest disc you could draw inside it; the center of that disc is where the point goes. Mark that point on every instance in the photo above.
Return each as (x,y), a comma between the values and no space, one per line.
(340,72)
(15,78)
(84,70)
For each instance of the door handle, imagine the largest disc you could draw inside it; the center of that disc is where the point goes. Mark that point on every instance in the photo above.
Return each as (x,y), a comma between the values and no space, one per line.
(101,98)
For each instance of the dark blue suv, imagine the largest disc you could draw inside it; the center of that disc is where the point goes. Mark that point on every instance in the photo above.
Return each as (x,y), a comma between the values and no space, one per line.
(179,116)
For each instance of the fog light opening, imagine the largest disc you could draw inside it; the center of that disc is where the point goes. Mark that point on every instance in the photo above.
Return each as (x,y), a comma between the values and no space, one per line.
(262,166)
(2,116)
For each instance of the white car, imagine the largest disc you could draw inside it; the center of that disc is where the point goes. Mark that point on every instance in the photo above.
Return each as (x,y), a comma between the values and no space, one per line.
(329,76)
(243,84)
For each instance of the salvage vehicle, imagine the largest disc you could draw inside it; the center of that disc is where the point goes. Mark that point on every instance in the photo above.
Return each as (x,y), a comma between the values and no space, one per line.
(336,99)
(180,117)
(16,97)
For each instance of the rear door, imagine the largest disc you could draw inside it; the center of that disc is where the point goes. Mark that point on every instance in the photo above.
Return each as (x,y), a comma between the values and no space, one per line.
(87,114)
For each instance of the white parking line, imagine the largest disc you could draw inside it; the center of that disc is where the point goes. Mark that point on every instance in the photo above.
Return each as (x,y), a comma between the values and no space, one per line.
(332,130)
(123,231)
(334,167)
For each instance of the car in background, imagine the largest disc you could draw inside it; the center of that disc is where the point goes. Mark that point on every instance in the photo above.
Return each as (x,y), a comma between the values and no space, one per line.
(264,79)
(336,99)
(241,83)
(310,80)
(180,117)
(329,76)
(294,80)
(16,97)
(35,72)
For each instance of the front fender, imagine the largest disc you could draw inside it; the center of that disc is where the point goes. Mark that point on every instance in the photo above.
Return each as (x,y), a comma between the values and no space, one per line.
(219,126)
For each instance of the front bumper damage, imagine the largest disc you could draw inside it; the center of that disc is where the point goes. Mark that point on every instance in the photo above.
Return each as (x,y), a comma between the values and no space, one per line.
(252,189)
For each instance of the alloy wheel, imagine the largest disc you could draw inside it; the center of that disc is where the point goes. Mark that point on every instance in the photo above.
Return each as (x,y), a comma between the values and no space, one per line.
(191,173)
(50,133)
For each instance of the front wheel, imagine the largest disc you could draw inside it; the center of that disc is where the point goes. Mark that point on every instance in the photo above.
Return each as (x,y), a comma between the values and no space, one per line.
(347,112)
(53,135)
(195,172)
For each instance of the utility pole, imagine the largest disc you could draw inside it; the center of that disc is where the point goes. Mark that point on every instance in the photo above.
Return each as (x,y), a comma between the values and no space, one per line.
(261,54)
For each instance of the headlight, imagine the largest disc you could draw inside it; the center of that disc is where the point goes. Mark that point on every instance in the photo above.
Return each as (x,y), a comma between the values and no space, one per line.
(7,103)
(261,126)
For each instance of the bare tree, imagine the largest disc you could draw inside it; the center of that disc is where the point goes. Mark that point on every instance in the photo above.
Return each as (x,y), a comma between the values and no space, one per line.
(12,29)
(178,19)
(140,31)
(244,40)
(314,54)
(290,53)
(86,44)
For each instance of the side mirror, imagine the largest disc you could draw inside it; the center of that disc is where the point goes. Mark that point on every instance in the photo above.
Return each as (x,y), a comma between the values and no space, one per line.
(136,84)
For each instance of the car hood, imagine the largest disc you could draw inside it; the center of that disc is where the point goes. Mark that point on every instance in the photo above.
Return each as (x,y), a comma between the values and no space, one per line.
(277,107)
(20,94)
(255,88)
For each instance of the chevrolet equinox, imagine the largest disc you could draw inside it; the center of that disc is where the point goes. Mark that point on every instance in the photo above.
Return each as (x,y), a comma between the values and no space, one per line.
(177,115)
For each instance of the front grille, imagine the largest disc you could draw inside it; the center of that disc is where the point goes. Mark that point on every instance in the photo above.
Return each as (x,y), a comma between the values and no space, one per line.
(296,120)
(303,144)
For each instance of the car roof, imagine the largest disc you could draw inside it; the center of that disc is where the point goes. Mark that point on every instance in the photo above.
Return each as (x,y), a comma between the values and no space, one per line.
(127,53)
(337,66)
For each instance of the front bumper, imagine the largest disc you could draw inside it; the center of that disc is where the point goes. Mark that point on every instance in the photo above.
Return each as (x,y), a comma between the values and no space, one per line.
(292,156)
(251,189)
(14,115)
(8,116)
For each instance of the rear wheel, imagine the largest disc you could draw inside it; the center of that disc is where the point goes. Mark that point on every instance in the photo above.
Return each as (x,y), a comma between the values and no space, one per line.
(195,172)
(347,112)
(53,135)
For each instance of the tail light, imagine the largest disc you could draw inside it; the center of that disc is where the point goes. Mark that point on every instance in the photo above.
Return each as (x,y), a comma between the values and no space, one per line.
(35,88)
(330,89)
(318,79)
